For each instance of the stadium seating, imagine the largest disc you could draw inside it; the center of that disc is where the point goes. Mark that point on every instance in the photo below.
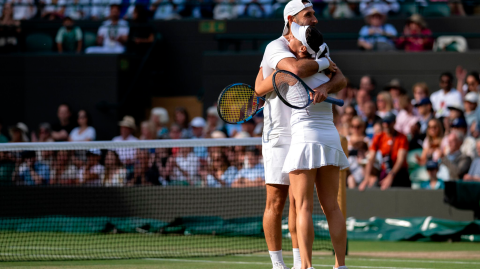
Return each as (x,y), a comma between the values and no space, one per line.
(39,42)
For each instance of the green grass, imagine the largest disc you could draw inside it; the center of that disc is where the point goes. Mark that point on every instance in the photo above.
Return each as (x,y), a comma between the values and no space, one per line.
(369,246)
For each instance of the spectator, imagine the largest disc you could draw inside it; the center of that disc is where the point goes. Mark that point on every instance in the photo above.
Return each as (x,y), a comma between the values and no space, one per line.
(69,37)
(466,84)
(115,172)
(79,9)
(53,10)
(3,138)
(164,10)
(470,103)
(84,131)
(395,89)
(357,132)
(218,134)
(64,171)
(198,9)
(162,156)
(146,171)
(147,131)
(361,98)
(142,33)
(346,121)
(183,167)
(405,118)
(9,30)
(377,35)
(468,145)
(254,174)
(455,112)
(30,171)
(249,127)
(112,35)
(182,119)
(456,162)
(388,6)
(197,125)
(425,113)
(7,168)
(474,171)
(213,122)
(44,133)
(445,96)
(393,147)
(219,173)
(385,105)
(93,172)
(416,36)
(23,9)
(434,183)
(347,94)
(64,126)
(127,127)
(159,119)
(368,84)
(432,145)
(225,10)
(371,119)
(357,159)
(420,91)
(415,137)
(176,131)
(18,133)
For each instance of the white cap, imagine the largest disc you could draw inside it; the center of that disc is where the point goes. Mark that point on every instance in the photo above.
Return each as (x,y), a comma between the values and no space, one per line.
(198,122)
(292,9)
(456,106)
(472,97)
(218,134)
(95,151)
(242,134)
(299,33)
(212,111)
(162,114)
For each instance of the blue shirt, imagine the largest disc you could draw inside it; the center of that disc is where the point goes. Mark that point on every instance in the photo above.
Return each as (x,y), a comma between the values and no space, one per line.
(228,177)
(475,167)
(387,28)
(252,173)
(41,169)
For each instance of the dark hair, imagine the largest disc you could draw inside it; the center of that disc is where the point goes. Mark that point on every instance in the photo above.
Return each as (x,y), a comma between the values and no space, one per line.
(116,6)
(142,13)
(475,75)
(447,74)
(88,116)
(185,113)
(67,18)
(314,39)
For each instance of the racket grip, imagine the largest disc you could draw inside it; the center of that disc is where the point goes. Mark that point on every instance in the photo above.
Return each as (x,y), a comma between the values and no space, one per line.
(338,102)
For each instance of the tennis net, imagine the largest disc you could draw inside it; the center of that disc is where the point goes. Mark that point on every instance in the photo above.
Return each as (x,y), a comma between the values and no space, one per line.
(143,199)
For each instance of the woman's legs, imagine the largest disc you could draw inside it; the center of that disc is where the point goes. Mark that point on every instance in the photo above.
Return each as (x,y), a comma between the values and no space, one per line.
(302,184)
(327,190)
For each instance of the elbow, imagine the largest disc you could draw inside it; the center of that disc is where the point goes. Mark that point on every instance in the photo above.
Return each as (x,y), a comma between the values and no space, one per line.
(297,71)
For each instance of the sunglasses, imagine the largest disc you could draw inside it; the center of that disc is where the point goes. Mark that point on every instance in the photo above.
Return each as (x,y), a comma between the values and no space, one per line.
(445,81)
(356,126)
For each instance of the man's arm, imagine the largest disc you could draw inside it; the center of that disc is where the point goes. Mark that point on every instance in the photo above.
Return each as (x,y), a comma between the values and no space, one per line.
(302,68)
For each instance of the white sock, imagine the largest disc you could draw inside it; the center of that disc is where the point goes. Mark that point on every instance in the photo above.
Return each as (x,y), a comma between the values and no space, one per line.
(297,261)
(277,258)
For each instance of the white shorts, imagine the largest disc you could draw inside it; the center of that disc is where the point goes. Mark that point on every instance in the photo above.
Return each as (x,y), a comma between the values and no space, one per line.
(274,153)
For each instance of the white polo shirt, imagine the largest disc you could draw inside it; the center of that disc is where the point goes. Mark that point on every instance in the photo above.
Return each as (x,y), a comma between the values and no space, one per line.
(441,101)
(276,120)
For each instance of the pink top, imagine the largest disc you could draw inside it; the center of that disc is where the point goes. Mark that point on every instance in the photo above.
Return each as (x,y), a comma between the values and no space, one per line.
(416,43)
(405,122)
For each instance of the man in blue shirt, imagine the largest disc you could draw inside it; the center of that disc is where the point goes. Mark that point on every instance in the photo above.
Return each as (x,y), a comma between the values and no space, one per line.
(32,172)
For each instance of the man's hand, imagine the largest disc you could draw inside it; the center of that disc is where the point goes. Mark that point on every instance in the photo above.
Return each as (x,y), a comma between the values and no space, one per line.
(461,73)
(332,67)
(386,182)
(321,93)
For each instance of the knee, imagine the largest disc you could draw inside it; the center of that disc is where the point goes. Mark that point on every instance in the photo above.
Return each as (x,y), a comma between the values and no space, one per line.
(329,208)
(303,206)
(275,206)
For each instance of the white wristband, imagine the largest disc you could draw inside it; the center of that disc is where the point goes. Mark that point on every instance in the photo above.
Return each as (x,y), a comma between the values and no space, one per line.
(323,64)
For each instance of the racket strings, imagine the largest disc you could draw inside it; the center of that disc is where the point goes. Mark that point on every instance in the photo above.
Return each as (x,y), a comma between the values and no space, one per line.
(238,103)
(292,90)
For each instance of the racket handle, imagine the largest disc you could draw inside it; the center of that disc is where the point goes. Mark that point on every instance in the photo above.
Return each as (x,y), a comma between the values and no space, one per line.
(338,102)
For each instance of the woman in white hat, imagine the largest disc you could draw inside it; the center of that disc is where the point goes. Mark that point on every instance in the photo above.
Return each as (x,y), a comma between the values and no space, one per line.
(159,119)
(18,133)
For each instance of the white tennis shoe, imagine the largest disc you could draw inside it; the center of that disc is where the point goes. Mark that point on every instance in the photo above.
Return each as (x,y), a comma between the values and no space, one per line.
(279,265)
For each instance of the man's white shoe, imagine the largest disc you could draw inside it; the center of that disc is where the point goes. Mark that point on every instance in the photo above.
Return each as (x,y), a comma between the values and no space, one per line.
(279,265)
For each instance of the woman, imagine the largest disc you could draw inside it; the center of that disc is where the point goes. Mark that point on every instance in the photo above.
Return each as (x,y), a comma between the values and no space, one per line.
(9,30)
(385,104)
(182,119)
(357,132)
(64,171)
(346,120)
(315,156)
(219,172)
(147,131)
(84,132)
(115,172)
(159,119)
(416,36)
(406,117)
(18,133)
(44,133)
(420,91)
(432,145)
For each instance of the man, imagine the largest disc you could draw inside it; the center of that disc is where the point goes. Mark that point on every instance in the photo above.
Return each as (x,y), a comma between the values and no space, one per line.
(456,162)
(361,99)
(371,118)
(394,147)
(445,96)
(31,171)
(254,174)
(62,128)
(468,145)
(69,37)
(197,125)
(425,114)
(112,35)
(368,84)
(276,133)
(474,171)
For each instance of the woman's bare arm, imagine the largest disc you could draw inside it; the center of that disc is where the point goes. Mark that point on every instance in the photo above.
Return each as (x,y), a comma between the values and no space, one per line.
(263,86)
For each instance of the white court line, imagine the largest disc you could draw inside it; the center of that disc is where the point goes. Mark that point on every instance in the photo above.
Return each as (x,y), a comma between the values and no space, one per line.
(375,260)
(269,263)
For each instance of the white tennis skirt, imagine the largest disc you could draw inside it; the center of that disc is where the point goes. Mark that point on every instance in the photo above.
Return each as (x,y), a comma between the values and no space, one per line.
(314,145)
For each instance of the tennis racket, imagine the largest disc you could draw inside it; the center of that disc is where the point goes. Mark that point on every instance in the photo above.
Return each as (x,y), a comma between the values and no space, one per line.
(238,103)
(294,92)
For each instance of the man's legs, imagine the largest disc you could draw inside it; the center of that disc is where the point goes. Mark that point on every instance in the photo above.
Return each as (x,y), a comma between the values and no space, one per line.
(272,220)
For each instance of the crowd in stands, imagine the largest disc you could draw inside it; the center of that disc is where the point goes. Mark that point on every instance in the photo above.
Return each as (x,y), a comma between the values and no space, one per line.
(394,140)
